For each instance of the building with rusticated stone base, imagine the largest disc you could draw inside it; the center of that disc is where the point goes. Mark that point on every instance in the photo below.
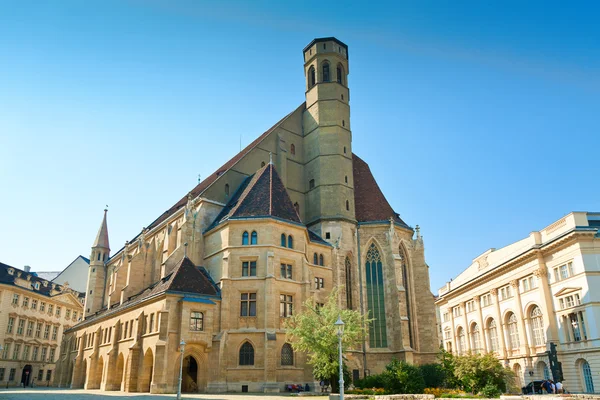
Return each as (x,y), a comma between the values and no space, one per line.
(291,216)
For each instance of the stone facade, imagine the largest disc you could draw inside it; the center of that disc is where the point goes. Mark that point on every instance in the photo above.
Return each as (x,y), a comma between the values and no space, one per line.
(291,216)
(35,313)
(516,300)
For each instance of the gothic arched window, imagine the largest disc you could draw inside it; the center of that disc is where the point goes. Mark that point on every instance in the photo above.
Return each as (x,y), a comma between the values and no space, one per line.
(311,77)
(247,354)
(321,260)
(283,240)
(315,259)
(325,72)
(290,242)
(254,238)
(348,283)
(245,238)
(340,74)
(376,298)
(287,354)
(537,326)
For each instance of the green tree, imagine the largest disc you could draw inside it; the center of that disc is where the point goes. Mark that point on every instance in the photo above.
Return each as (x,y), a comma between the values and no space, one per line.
(313,332)
(446,360)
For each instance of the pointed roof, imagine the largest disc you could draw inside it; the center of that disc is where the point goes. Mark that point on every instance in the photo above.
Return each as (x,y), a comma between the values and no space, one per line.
(102,236)
(369,202)
(261,195)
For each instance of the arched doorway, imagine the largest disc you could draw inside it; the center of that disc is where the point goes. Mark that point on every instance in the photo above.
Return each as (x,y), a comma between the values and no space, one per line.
(84,376)
(145,379)
(190,375)
(99,372)
(26,375)
(119,374)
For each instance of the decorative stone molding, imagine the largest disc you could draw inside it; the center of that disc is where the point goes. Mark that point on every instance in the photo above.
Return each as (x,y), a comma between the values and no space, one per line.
(494,292)
(514,283)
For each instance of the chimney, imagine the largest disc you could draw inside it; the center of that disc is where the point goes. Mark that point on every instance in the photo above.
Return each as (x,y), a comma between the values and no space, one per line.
(27,268)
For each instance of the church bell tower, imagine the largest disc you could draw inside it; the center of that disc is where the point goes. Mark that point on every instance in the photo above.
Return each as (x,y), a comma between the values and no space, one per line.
(94,294)
(328,138)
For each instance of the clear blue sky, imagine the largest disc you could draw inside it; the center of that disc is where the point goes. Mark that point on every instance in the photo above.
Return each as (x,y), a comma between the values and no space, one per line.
(480,120)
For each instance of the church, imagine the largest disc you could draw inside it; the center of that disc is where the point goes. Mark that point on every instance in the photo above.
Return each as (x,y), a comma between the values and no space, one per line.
(293,215)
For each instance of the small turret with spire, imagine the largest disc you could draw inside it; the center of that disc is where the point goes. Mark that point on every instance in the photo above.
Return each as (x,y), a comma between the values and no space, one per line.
(94,296)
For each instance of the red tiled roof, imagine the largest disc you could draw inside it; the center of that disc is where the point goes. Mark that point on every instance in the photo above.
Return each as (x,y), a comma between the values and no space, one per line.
(369,202)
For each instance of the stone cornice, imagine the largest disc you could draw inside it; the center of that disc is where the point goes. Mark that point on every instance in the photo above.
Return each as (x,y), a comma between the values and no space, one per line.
(530,254)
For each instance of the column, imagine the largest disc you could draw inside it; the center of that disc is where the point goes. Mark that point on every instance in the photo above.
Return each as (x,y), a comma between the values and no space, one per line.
(499,325)
(546,305)
(522,327)
(482,335)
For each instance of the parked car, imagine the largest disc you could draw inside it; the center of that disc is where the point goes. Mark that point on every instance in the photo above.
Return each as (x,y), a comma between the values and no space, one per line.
(534,387)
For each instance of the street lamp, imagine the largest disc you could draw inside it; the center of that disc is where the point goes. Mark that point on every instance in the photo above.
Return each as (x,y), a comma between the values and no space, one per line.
(340,332)
(181,349)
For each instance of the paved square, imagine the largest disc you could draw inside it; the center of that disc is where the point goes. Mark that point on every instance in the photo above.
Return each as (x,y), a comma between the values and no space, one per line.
(72,394)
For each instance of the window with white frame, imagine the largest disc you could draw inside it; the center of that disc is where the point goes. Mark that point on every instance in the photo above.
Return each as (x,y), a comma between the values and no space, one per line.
(486,300)
(476,338)
(446,317)
(537,326)
(506,292)
(563,271)
(470,306)
(576,326)
(447,334)
(461,342)
(456,311)
(569,301)
(493,335)
(528,283)
(513,331)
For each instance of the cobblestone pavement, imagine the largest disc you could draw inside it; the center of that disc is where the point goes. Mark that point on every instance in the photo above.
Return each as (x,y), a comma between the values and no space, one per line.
(69,394)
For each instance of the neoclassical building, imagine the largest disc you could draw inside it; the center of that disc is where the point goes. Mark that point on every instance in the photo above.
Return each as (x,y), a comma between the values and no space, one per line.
(516,300)
(34,313)
(291,216)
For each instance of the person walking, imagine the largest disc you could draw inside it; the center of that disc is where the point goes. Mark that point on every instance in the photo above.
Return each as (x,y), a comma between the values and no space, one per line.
(559,387)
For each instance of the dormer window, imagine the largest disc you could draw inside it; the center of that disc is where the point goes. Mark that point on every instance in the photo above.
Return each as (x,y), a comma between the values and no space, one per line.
(45,283)
(11,271)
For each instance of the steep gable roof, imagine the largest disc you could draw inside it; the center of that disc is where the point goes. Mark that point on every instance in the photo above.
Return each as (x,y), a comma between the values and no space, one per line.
(261,195)
(369,202)
(202,186)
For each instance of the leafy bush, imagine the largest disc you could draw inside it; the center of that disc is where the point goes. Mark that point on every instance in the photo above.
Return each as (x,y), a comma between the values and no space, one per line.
(371,381)
(401,377)
(490,391)
(434,375)
(474,371)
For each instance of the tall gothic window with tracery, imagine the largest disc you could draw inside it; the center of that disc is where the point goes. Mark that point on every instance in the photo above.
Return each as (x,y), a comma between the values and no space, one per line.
(376,297)
(537,326)
(348,283)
